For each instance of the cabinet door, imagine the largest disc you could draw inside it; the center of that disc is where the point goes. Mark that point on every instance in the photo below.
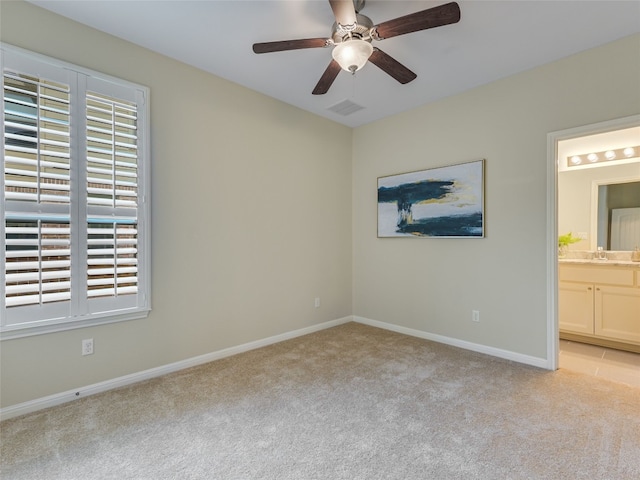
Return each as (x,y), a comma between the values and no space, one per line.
(617,313)
(575,307)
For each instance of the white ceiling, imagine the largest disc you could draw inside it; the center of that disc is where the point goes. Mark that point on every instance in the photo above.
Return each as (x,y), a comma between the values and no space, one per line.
(494,39)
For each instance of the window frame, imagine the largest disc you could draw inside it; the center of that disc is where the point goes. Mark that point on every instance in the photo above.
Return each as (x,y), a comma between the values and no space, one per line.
(83,81)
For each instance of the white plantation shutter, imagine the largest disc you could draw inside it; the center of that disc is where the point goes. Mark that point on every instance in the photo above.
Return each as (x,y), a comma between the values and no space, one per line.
(112,155)
(75,206)
(112,195)
(37,143)
(36,172)
(38,261)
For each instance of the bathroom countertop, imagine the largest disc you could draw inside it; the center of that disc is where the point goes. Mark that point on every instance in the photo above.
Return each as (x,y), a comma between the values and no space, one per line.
(604,263)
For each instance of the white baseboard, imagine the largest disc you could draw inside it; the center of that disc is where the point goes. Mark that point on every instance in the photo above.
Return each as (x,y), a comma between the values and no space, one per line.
(60,398)
(64,397)
(496,352)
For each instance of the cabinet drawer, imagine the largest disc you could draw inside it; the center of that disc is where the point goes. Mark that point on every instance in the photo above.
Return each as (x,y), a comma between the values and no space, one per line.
(611,276)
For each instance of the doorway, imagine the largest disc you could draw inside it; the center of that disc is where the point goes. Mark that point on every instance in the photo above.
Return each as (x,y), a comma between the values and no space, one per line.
(563,146)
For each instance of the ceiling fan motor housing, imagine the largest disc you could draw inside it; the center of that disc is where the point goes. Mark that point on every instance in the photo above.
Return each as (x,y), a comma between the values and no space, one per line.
(361,31)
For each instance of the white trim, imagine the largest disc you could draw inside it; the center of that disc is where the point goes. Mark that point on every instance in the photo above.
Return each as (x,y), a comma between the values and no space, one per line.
(70,395)
(553,340)
(475,347)
(63,324)
(552,219)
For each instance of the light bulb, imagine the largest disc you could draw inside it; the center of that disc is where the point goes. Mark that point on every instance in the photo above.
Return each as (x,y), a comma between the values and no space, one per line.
(592,157)
(576,160)
(351,55)
(610,154)
(629,152)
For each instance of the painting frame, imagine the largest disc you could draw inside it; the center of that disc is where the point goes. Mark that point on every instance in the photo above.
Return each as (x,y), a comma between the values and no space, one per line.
(438,202)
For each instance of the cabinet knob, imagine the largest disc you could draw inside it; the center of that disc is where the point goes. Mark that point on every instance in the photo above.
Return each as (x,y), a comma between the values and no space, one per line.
(589,288)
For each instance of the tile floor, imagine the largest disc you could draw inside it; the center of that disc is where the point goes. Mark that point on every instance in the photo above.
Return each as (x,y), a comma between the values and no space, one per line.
(602,362)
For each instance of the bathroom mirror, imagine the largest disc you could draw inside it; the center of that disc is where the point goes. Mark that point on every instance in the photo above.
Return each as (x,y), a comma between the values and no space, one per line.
(587,198)
(617,215)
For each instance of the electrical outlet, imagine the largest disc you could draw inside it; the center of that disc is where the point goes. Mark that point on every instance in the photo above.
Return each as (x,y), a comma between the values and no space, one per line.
(317,303)
(87,346)
(475,315)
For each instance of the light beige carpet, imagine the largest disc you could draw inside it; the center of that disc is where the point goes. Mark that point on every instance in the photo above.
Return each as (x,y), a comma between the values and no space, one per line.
(351,402)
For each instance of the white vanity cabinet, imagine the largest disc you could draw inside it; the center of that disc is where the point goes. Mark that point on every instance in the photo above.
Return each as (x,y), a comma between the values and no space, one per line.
(617,313)
(600,302)
(575,307)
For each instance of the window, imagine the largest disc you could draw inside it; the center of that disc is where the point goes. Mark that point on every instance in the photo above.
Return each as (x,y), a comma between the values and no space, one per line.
(75,229)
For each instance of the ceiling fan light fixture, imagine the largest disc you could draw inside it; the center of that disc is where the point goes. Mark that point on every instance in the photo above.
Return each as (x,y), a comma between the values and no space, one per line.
(352,34)
(352,55)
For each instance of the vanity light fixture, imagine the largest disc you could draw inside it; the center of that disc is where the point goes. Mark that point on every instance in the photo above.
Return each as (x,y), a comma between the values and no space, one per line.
(604,156)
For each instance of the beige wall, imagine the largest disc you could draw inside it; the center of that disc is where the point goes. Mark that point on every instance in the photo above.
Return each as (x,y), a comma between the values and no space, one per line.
(229,269)
(251,218)
(431,285)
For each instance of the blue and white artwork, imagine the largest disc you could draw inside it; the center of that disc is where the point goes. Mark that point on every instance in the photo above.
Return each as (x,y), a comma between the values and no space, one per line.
(439,202)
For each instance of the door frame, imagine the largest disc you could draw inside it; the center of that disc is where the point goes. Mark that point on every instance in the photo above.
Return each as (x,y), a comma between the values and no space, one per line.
(553,138)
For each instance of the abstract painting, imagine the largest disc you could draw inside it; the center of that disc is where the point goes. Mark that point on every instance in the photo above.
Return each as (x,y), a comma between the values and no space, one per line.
(439,202)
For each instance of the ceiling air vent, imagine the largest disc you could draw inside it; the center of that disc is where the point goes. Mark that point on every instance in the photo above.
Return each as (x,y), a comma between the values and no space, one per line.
(345,107)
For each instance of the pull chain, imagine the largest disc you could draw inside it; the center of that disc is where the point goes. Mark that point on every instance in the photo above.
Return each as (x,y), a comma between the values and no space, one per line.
(353,88)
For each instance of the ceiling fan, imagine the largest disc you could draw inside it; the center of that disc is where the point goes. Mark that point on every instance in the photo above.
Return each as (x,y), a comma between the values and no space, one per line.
(351,38)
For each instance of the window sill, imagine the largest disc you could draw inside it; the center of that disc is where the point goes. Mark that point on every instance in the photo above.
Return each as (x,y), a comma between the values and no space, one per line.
(21,331)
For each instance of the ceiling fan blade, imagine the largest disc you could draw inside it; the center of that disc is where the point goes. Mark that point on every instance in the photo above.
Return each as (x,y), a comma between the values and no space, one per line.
(391,66)
(327,78)
(280,46)
(344,11)
(432,17)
